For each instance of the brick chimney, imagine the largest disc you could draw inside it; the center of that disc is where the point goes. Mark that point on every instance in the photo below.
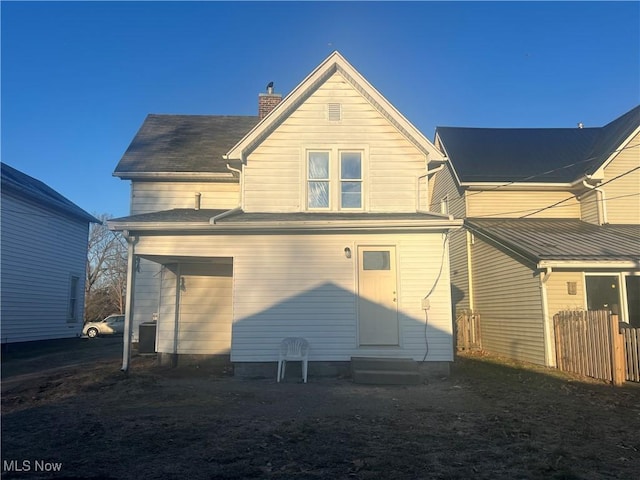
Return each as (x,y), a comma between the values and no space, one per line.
(268,101)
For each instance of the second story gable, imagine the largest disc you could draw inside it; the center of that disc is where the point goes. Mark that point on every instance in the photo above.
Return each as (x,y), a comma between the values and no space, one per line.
(592,174)
(334,144)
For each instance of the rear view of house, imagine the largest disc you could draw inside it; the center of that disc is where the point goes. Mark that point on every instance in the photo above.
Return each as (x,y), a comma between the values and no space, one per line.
(309,220)
(552,223)
(44,255)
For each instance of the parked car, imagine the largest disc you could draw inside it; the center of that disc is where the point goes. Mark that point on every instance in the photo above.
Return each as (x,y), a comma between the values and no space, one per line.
(113,324)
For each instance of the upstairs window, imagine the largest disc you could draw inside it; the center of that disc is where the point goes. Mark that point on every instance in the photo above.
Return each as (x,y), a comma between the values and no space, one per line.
(334,180)
(318,180)
(350,180)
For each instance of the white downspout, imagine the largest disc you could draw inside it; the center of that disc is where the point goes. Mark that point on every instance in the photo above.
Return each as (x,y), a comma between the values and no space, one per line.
(603,202)
(549,338)
(239,172)
(128,318)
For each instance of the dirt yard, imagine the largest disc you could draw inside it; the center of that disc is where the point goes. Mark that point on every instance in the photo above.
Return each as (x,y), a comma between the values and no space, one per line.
(489,420)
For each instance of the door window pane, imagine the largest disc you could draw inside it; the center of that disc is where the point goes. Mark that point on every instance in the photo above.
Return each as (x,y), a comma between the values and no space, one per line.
(378,260)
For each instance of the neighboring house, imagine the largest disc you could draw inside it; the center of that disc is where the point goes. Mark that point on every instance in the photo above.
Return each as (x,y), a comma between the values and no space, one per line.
(552,223)
(44,255)
(308,220)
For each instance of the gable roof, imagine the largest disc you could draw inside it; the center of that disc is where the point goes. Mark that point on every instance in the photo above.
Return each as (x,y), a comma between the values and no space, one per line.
(332,64)
(522,154)
(30,188)
(183,145)
(556,241)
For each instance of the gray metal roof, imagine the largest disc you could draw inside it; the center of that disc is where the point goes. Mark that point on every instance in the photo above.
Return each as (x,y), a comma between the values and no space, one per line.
(523,154)
(561,239)
(28,187)
(183,143)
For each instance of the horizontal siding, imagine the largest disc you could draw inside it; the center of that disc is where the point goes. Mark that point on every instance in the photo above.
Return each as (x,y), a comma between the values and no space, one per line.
(275,175)
(443,184)
(459,271)
(41,251)
(157,196)
(623,194)
(589,208)
(558,298)
(303,285)
(509,204)
(507,296)
(147,294)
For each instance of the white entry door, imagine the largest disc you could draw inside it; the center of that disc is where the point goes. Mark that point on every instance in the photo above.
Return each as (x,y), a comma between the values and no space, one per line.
(377,296)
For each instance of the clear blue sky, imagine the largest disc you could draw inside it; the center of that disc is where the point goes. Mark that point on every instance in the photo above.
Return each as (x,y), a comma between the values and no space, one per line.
(79,78)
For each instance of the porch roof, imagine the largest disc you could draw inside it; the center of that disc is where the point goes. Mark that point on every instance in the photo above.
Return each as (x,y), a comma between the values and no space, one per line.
(236,219)
(563,242)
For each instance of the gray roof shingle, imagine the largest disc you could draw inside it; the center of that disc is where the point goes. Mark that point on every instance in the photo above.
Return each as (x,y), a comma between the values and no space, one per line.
(28,187)
(561,239)
(523,154)
(183,143)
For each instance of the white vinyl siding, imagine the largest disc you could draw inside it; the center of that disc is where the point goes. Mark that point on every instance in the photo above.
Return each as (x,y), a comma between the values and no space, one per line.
(157,196)
(508,298)
(275,176)
(202,294)
(303,285)
(147,295)
(589,208)
(42,251)
(623,194)
(558,297)
(510,204)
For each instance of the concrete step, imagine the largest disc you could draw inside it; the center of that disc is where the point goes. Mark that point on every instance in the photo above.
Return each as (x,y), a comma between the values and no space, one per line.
(380,363)
(385,371)
(386,377)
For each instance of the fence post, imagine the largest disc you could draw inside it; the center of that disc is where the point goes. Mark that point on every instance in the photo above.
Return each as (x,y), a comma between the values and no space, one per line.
(617,351)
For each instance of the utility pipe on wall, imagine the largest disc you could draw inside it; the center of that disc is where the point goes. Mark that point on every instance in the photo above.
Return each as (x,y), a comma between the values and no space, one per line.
(128,317)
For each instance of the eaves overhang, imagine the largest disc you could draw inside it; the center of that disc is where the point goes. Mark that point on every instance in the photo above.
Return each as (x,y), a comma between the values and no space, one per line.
(265,227)
(180,176)
(598,264)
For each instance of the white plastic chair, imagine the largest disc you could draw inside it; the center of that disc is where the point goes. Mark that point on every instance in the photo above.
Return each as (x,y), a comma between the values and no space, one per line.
(296,349)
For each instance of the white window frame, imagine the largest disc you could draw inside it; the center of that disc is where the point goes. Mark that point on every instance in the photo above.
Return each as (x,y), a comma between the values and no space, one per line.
(335,178)
(623,315)
(73,305)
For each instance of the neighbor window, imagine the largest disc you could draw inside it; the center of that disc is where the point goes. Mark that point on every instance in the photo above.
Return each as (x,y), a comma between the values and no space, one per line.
(73,300)
(334,180)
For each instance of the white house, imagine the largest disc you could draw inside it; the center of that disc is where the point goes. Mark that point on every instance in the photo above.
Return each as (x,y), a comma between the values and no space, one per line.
(44,255)
(308,220)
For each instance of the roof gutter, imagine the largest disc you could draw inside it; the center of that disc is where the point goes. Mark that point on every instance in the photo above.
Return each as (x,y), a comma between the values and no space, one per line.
(174,175)
(583,265)
(325,226)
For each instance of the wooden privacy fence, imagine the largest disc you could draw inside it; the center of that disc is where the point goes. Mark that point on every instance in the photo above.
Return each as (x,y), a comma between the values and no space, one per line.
(594,344)
(468,331)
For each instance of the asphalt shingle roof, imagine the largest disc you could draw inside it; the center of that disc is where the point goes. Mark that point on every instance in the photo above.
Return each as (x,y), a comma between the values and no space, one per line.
(523,154)
(35,190)
(562,239)
(184,143)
